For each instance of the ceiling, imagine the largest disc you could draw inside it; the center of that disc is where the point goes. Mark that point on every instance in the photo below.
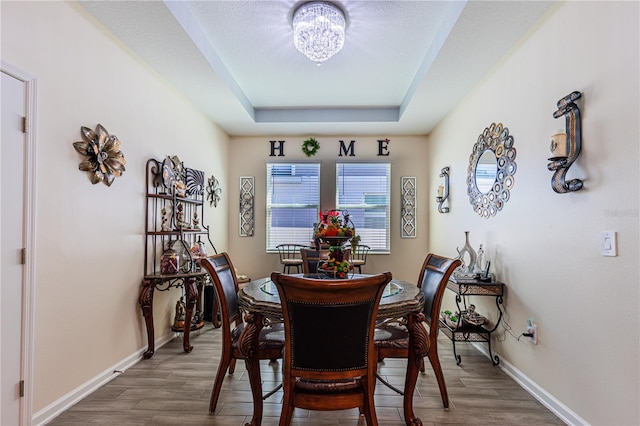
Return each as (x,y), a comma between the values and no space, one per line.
(404,65)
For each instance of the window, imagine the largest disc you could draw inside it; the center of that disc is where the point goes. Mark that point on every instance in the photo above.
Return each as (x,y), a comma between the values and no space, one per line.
(293,203)
(364,190)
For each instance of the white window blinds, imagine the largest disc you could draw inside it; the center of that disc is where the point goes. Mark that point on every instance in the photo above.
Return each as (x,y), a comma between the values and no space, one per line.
(364,190)
(293,203)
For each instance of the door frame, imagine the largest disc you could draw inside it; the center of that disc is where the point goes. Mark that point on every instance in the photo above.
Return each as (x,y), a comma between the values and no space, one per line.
(28,289)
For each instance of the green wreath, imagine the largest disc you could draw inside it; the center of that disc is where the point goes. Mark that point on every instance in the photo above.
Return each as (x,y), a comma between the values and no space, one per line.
(310,147)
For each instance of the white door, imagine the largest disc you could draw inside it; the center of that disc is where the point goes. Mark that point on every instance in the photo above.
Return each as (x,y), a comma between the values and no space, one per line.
(12,208)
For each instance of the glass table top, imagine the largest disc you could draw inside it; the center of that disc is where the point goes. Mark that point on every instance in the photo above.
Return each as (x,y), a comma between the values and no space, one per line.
(392,289)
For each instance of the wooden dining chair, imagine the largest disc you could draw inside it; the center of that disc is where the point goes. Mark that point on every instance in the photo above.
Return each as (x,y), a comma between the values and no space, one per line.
(392,340)
(310,259)
(290,257)
(359,256)
(329,361)
(271,339)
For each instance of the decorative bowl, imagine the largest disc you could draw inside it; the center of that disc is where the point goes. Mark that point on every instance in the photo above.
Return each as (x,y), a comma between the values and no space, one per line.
(450,323)
(334,274)
(335,241)
(473,318)
(446,317)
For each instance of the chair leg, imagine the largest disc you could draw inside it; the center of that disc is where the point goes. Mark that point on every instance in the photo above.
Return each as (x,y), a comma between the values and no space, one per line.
(225,360)
(370,410)
(232,366)
(437,369)
(287,409)
(215,310)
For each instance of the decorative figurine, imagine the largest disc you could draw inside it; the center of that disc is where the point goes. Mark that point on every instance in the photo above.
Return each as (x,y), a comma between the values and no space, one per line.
(166,218)
(478,267)
(180,223)
(178,321)
(181,189)
(196,221)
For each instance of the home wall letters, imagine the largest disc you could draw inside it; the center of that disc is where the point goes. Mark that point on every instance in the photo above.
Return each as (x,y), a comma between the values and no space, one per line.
(276,148)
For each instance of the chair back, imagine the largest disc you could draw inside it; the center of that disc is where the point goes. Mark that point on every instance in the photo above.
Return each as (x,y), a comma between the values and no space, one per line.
(329,325)
(289,251)
(435,273)
(290,257)
(224,280)
(311,257)
(360,253)
(359,256)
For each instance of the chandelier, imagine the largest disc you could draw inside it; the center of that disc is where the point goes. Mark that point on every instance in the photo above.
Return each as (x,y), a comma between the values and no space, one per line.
(318,30)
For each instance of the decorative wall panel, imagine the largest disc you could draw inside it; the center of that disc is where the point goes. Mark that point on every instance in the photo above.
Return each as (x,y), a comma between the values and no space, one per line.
(409,208)
(247,212)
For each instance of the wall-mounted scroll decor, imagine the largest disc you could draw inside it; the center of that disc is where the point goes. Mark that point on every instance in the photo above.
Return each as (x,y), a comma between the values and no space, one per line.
(213,191)
(105,162)
(409,226)
(565,147)
(443,190)
(247,214)
(491,168)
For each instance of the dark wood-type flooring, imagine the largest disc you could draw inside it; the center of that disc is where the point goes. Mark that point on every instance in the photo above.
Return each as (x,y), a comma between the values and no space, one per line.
(173,388)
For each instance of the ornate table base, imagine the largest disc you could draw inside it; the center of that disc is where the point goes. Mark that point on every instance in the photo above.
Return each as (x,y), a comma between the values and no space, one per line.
(193,288)
(418,348)
(247,346)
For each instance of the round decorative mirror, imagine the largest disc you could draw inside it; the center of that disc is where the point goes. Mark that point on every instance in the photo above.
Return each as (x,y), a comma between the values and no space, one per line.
(491,169)
(486,171)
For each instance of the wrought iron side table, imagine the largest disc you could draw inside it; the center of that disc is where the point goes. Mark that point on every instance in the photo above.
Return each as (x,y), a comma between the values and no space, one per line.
(464,332)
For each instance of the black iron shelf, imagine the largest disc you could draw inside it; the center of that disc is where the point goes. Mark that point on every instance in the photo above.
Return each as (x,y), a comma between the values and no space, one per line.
(465,332)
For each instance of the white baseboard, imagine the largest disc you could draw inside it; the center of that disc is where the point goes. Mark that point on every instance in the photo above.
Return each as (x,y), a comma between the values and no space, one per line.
(545,398)
(54,409)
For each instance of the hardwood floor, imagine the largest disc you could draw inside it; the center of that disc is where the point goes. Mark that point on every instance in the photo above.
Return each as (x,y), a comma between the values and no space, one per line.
(173,388)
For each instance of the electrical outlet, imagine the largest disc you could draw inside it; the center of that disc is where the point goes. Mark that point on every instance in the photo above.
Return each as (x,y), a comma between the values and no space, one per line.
(532,332)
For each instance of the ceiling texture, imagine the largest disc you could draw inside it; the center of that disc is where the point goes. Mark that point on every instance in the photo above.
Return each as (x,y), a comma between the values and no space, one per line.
(404,65)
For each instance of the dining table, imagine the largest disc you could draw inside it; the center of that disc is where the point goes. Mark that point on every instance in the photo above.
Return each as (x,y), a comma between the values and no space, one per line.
(401,300)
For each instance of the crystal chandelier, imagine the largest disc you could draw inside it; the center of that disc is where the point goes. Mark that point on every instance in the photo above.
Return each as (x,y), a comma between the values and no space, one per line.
(318,30)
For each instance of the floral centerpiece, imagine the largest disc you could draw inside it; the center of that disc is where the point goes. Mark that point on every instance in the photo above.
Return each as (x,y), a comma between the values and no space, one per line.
(335,229)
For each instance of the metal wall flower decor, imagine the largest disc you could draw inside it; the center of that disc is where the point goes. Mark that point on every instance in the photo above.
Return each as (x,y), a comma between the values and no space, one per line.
(213,191)
(105,161)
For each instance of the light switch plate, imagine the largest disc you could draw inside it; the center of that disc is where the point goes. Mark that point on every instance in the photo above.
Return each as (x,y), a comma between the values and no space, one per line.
(608,243)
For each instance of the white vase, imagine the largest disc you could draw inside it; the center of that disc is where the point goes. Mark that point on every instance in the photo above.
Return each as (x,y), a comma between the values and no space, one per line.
(467,267)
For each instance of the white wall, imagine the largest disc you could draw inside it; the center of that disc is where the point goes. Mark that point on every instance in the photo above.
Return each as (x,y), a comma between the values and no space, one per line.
(90,239)
(249,155)
(543,245)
